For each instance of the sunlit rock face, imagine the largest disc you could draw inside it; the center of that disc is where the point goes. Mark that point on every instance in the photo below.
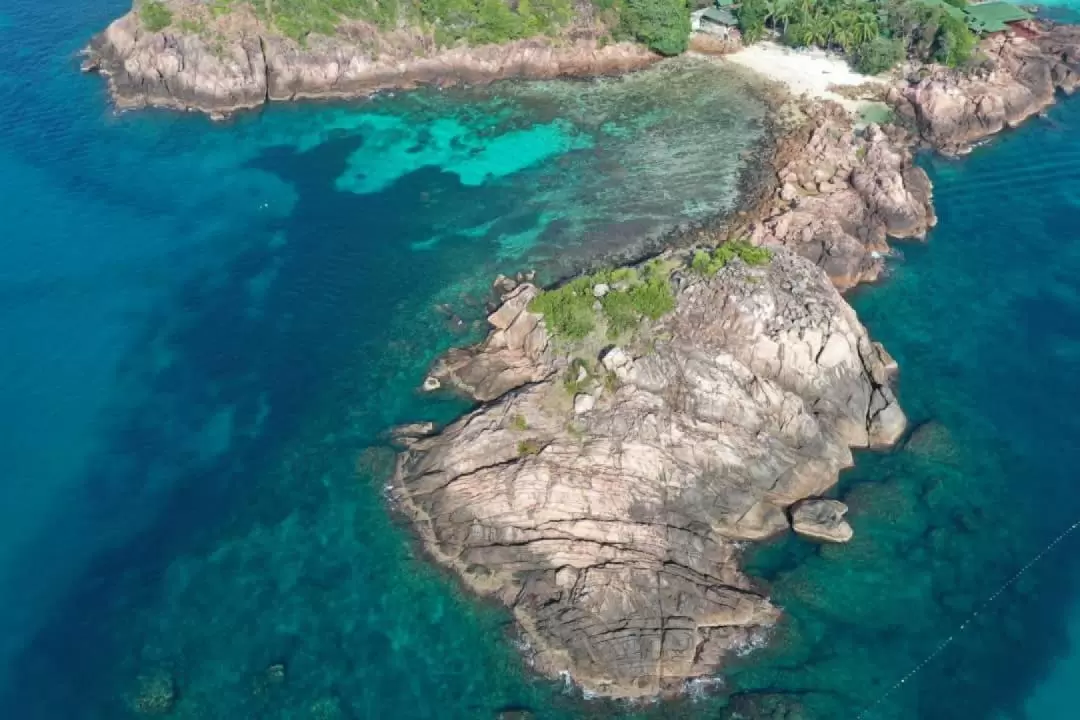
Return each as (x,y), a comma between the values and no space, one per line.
(612,527)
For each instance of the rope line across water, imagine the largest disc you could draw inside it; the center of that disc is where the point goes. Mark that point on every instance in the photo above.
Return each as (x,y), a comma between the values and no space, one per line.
(963,626)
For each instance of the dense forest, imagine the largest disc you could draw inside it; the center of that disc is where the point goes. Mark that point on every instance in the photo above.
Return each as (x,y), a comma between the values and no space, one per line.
(663,25)
(876,34)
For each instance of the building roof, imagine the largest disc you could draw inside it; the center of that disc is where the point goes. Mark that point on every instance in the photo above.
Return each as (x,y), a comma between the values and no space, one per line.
(719,16)
(994,16)
(950,9)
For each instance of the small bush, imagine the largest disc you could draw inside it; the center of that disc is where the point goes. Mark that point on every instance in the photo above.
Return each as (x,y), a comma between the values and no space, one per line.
(619,312)
(155,16)
(568,310)
(709,263)
(878,55)
(570,380)
(529,447)
(519,423)
(653,298)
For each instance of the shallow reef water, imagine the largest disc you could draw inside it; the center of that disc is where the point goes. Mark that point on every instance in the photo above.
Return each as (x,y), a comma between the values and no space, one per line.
(208,328)
(955,598)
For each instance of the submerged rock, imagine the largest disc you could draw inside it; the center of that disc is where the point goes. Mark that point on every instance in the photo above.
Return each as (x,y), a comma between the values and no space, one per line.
(155,694)
(821,519)
(615,535)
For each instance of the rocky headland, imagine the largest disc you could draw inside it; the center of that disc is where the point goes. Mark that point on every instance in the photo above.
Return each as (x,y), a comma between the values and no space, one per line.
(841,193)
(604,489)
(1019,75)
(219,64)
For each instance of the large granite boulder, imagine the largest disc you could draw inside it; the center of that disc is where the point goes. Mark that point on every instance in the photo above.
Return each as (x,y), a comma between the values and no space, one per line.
(953,110)
(844,194)
(821,519)
(615,535)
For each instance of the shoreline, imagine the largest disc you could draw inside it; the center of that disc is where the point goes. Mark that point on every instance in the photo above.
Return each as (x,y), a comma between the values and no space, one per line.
(253,66)
(945,114)
(887,193)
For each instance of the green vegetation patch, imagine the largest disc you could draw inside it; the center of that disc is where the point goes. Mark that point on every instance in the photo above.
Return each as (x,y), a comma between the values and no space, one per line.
(493,21)
(876,34)
(154,15)
(662,25)
(570,311)
(709,263)
(878,55)
(529,447)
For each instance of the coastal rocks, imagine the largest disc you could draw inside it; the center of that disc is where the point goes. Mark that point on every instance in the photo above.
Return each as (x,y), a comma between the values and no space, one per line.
(846,192)
(821,519)
(615,535)
(235,61)
(515,353)
(953,110)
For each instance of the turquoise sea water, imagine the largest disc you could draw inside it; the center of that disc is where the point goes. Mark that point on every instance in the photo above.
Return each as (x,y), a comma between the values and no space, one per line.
(208,327)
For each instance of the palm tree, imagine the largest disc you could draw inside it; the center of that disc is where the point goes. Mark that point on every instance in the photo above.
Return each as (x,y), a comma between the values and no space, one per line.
(785,14)
(864,27)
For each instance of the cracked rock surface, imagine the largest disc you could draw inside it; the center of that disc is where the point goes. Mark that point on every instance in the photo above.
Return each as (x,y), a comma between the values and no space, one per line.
(614,535)
(844,194)
(1020,77)
(236,61)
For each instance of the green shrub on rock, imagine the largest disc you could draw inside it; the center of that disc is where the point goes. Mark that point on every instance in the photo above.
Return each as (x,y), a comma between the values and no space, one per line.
(154,15)
(878,55)
(709,263)
(568,310)
(663,25)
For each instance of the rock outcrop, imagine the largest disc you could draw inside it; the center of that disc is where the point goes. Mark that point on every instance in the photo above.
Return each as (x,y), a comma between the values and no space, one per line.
(614,534)
(821,519)
(844,193)
(236,62)
(1020,76)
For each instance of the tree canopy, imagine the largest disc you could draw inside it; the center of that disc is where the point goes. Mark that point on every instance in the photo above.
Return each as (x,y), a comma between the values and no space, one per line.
(876,34)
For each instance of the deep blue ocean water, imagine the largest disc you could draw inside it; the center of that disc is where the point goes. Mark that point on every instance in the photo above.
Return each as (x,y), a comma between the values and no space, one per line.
(208,328)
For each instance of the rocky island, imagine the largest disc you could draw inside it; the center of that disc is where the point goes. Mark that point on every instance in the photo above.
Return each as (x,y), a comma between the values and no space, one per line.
(604,487)
(604,496)
(636,427)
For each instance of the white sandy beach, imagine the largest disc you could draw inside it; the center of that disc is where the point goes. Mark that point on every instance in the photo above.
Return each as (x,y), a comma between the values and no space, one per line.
(806,71)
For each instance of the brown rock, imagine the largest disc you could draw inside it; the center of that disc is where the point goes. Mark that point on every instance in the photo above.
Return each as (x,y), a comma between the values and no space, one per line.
(872,191)
(821,520)
(617,543)
(954,110)
(237,62)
